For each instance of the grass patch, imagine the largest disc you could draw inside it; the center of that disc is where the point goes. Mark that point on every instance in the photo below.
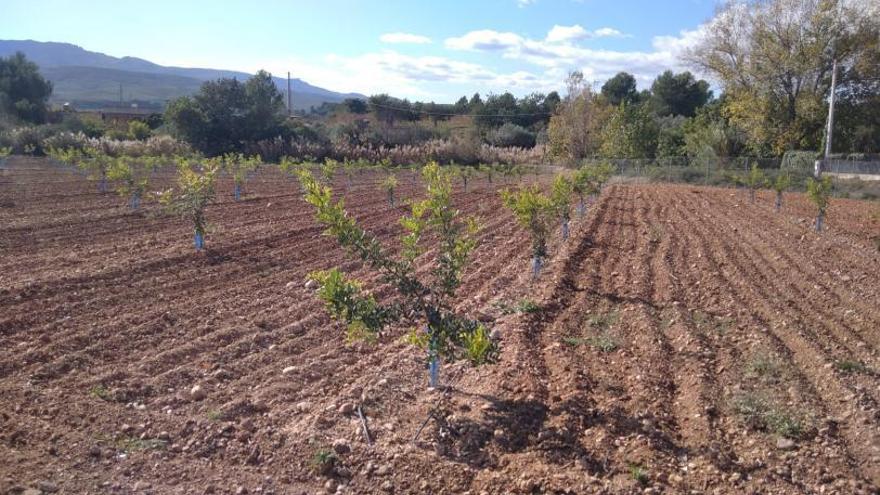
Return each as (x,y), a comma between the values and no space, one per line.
(526,306)
(100,392)
(324,460)
(602,343)
(638,474)
(764,366)
(603,321)
(706,321)
(851,366)
(761,413)
(214,415)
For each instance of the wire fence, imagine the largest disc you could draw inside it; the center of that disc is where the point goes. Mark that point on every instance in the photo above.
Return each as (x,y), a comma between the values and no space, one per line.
(727,170)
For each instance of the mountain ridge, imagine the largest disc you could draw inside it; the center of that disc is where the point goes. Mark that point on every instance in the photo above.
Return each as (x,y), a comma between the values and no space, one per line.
(86,78)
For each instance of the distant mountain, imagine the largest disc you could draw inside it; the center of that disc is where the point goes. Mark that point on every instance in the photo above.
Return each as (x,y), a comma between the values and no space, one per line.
(88,78)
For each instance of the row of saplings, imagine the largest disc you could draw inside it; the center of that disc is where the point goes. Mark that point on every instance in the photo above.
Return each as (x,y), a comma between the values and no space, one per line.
(444,333)
(130,176)
(818,190)
(425,300)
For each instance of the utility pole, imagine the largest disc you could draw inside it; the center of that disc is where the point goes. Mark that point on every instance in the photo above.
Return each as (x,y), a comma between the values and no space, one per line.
(829,130)
(289,101)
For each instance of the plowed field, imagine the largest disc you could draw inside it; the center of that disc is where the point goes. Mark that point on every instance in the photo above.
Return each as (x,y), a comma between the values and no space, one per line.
(683,340)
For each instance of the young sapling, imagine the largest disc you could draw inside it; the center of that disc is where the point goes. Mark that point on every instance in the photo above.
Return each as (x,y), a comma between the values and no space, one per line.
(819,192)
(423,301)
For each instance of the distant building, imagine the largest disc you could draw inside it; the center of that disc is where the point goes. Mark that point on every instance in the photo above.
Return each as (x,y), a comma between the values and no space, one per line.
(118,116)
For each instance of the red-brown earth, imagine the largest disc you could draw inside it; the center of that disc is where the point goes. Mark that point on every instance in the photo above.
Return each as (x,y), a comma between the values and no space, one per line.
(683,340)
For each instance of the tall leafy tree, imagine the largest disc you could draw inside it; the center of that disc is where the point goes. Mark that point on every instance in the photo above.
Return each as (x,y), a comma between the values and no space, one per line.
(264,106)
(774,60)
(225,114)
(630,132)
(620,89)
(573,130)
(678,94)
(24,93)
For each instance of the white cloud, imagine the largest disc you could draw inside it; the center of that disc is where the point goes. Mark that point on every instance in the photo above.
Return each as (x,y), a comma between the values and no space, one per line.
(607,32)
(559,51)
(407,76)
(524,3)
(485,40)
(534,65)
(679,44)
(568,34)
(562,34)
(404,38)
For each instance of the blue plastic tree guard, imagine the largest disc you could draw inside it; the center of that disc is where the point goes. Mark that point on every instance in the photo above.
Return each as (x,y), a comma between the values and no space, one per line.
(537,264)
(199,241)
(434,371)
(238,192)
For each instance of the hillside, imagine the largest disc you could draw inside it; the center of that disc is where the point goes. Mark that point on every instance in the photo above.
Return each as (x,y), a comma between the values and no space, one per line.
(90,78)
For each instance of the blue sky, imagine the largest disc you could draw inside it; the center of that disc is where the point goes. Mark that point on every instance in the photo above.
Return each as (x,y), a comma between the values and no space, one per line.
(422,50)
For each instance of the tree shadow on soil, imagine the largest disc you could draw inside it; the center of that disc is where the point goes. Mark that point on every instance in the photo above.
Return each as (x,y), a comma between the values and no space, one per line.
(509,426)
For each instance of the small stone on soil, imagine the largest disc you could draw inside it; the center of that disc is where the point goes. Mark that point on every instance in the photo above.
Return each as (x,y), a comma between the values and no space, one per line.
(785,444)
(47,487)
(197,392)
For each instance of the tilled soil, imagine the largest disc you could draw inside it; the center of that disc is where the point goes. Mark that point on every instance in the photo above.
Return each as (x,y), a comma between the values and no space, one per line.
(683,340)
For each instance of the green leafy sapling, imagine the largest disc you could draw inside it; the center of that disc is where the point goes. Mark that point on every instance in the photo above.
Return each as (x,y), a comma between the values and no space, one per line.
(600,174)
(755,180)
(819,192)
(348,168)
(4,154)
(560,199)
(289,165)
(780,184)
(465,172)
(582,185)
(534,211)
(519,172)
(65,156)
(328,170)
(489,171)
(95,164)
(132,176)
(193,192)
(389,185)
(239,167)
(424,300)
